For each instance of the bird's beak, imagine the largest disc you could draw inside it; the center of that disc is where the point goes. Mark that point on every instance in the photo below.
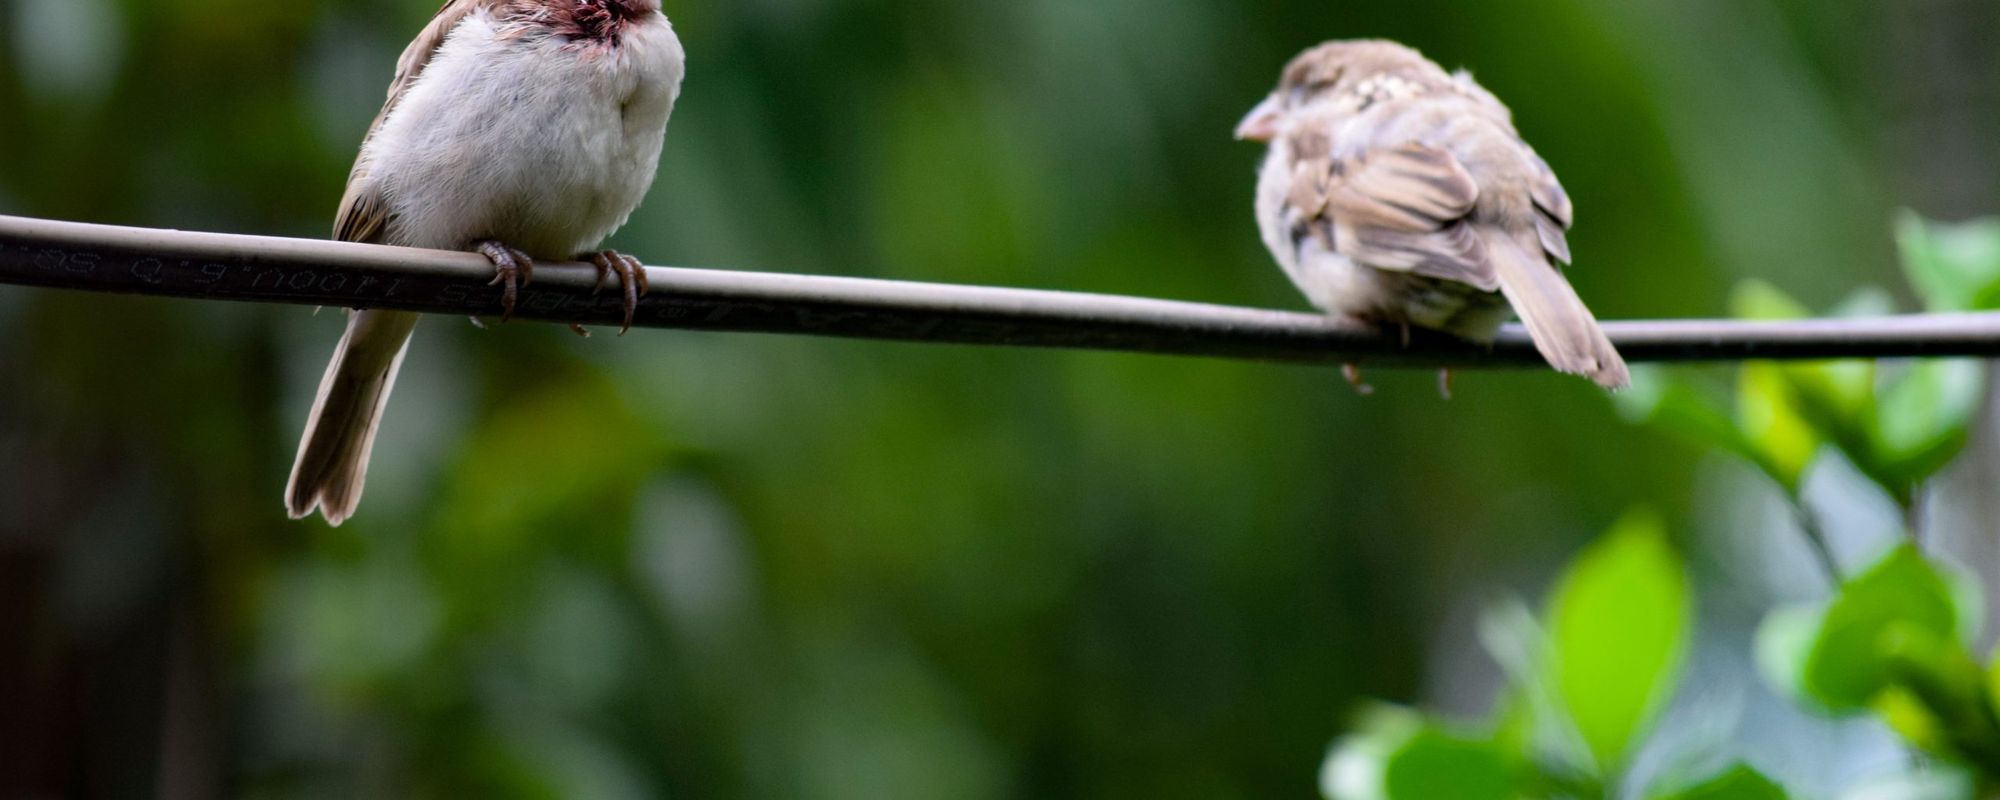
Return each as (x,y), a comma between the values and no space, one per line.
(1261,125)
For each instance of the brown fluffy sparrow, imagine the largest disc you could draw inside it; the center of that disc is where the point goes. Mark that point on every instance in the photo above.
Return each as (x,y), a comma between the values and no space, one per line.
(520,129)
(1399,194)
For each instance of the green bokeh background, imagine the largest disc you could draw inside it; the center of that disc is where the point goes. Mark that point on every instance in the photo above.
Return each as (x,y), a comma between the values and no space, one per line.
(714,565)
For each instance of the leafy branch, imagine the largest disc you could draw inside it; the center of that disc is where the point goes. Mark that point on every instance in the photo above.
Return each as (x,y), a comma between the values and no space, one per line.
(1893,641)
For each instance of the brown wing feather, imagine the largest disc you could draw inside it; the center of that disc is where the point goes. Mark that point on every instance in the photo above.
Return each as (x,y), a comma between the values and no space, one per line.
(1409,187)
(1451,252)
(1555,214)
(363,216)
(1401,207)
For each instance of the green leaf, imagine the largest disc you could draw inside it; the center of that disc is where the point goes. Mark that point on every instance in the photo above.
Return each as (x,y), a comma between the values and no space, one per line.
(1898,435)
(1778,437)
(1785,645)
(1395,753)
(1954,267)
(1893,642)
(1938,698)
(1905,713)
(1926,418)
(1435,765)
(1838,397)
(1739,783)
(1849,661)
(1357,765)
(1619,619)
(1834,399)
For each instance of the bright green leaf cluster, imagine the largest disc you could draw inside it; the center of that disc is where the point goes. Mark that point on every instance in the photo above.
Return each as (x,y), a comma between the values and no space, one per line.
(1898,429)
(1923,420)
(1894,642)
(1585,695)
(1899,599)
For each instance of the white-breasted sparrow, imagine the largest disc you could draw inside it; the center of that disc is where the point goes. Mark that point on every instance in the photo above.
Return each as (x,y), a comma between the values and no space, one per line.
(520,129)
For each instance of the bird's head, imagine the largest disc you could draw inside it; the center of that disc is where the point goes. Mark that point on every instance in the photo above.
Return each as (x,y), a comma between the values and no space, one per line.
(1323,73)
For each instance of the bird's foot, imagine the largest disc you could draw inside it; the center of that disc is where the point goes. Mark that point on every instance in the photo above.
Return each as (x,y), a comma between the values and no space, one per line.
(631,279)
(1352,372)
(512,269)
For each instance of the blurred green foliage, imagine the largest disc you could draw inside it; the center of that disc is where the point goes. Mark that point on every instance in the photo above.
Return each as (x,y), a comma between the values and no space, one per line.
(1894,642)
(1896,639)
(1619,623)
(1739,783)
(1579,706)
(1898,429)
(732,566)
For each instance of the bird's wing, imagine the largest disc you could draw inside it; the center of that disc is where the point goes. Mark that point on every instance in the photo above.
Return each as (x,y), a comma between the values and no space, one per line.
(1554,215)
(1400,208)
(364,216)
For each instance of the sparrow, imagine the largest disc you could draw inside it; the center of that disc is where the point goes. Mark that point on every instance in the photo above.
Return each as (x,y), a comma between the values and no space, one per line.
(1398,194)
(523,130)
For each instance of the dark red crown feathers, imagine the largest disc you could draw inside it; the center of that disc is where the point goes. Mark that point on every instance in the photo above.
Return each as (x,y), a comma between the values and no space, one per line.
(599,19)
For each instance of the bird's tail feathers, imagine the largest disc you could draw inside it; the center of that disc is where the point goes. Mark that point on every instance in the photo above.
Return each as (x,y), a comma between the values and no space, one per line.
(1563,328)
(333,453)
